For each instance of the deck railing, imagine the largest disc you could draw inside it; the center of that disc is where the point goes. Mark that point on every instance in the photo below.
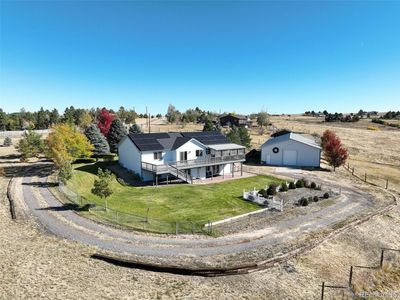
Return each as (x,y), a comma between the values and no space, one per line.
(191,163)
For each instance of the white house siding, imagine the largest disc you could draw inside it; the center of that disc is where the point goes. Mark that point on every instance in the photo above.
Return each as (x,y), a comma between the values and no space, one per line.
(148,157)
(129,156)
(190,147)
(225,169)
(307,156)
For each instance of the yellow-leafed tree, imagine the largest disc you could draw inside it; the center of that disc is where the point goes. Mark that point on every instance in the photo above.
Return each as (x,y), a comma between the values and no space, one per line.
(65,144)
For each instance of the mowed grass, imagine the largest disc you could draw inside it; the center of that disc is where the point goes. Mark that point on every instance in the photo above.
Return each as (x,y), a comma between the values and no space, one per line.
(180,202)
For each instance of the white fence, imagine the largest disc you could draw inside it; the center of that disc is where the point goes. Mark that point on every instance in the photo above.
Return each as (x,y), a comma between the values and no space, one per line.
(19,133)
(271,202)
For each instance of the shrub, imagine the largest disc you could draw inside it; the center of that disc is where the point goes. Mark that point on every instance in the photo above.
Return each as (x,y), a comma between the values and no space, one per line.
(306,183)
(292,185)
(326,195)
(313,185)
(310,199)
(303,201)
(7,142)
(374,128)
(300,183)
(284,187)
(262,192)
(272,189)
(316,199)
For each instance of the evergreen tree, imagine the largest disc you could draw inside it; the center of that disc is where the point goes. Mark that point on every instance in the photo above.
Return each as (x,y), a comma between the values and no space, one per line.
(31,145)
(115,134)
(54,117)
(208,125)
(3,120)
(41,119)
(98,140)
(240,135)
(7,142)
(135,128)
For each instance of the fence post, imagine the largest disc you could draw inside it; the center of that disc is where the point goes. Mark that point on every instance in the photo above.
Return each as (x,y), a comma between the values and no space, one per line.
(365,177)
(381,263)
(352,172)
(387,184)
(322,290)
(176,228)
(350,276)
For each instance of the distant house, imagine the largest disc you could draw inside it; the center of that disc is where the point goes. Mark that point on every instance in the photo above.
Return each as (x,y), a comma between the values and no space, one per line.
(291,149)
(185,155)
(234,120)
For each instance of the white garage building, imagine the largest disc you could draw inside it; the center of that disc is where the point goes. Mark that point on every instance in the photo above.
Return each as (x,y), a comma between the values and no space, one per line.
(291,149)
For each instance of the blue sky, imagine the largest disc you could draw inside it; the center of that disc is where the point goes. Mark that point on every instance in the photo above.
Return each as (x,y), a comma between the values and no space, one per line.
(286,57)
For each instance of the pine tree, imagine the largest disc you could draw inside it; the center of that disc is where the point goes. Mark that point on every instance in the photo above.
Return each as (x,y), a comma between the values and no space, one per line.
(135,128)
(115,134)
(98,140)
(7,142)
(240,135)
(208,125)
(31,145)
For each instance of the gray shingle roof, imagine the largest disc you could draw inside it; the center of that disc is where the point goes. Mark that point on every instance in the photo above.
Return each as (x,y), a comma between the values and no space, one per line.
(173,140)
(292,136)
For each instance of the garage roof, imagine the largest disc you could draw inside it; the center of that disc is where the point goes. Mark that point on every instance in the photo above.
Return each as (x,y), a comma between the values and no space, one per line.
(292,136)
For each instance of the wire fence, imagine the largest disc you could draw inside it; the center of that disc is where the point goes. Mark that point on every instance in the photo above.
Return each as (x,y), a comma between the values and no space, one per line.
(135,221)
(369,177)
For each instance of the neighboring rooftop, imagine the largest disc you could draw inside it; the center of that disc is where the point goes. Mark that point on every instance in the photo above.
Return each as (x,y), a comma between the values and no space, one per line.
(173,140)
(241,117)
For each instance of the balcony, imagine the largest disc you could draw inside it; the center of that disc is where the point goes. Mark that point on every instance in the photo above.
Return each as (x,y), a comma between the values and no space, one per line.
(208,161)
(187,164)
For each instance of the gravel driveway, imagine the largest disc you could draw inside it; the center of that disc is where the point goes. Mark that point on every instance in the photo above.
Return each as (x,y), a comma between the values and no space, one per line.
(67,224)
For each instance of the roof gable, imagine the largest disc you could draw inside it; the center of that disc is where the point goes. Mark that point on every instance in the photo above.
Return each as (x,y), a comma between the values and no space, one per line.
(292,136)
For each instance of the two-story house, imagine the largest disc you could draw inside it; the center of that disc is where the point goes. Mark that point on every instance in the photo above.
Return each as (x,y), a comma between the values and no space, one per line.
(183,155)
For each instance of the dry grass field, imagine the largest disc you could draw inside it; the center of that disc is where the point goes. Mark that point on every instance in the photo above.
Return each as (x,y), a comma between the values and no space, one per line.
(376,151)
(37,265)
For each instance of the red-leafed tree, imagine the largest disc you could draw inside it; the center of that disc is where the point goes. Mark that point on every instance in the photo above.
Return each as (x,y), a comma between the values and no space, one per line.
(104,120)
(334,152)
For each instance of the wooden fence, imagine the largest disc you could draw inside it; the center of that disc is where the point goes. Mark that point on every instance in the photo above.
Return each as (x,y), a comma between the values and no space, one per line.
(349,287)
(367,178)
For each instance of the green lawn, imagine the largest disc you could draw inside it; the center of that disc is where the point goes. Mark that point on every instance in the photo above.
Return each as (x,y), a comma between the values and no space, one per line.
(182,202)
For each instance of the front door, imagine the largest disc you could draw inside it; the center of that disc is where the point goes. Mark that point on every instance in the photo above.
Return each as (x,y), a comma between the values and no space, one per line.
(183,155)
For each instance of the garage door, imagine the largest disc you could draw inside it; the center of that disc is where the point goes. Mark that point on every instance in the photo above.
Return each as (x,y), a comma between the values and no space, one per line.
(289,157)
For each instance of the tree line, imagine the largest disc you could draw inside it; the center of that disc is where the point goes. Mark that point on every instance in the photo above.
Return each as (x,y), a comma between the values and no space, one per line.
(44,118)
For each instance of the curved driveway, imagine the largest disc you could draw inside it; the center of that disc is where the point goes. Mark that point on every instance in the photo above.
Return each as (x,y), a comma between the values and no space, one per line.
(67,224)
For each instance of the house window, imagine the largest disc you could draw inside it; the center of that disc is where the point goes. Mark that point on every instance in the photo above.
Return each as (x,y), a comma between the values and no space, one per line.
(199,153)
(157,155)
(241,151)
(183,155)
